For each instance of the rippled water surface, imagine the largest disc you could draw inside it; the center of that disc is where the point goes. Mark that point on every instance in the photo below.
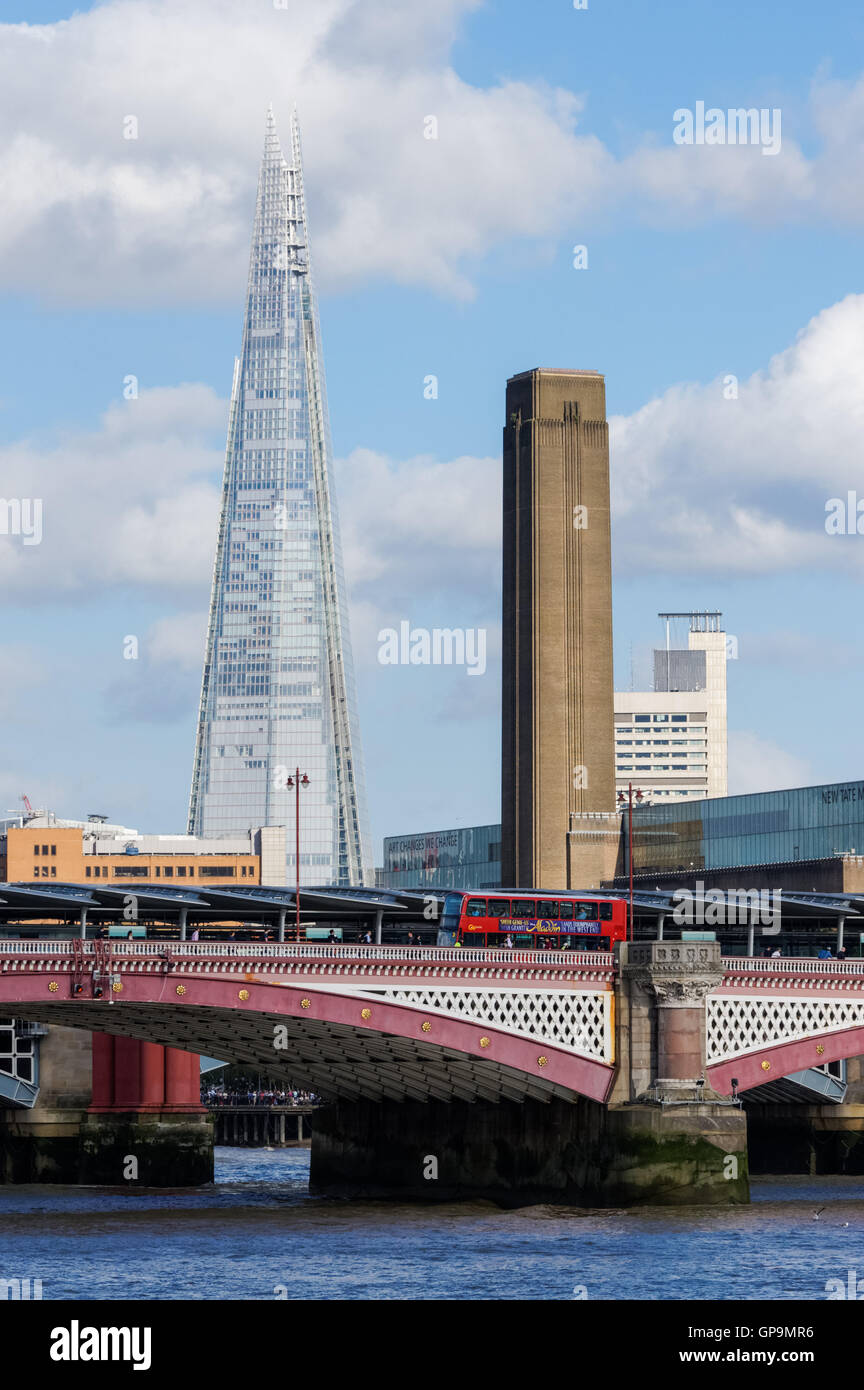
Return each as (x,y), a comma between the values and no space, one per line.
(257,1231)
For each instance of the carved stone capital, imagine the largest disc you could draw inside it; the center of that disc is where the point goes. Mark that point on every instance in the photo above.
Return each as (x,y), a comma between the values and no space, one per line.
(676,974)
(682,994)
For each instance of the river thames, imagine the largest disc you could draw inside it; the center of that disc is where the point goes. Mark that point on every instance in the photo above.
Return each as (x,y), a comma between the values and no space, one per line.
(256,1233)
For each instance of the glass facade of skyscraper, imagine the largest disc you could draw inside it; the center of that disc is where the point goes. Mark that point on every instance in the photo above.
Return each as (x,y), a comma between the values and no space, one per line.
(466,858)
(278,686)
(724,832)
(762,828)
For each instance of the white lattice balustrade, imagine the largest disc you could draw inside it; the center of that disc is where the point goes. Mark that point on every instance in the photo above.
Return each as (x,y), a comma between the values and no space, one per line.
(578,1021)
(739,1023)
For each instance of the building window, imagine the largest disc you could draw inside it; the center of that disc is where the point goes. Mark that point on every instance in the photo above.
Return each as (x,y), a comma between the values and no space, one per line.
(181,871)
(35,849)
(157,871)
(44,849)
(130,870)
(87,872)
(169,872)
(44,870)
(36,871)
(53,870)
(215,871)
(642,719)
(53,849)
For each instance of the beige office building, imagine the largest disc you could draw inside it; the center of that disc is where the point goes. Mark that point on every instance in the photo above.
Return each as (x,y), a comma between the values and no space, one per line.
(558,793)
(670,741)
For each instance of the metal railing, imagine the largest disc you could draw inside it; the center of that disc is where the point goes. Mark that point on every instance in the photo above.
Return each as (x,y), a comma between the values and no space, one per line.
(305,951)
(360,951)
(781,965)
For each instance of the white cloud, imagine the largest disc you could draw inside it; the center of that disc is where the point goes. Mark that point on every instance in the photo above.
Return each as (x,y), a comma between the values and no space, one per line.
(700,484)
(701,181)
(132,503)
(757,765)
(159,682)
(421,541)
(710,484)
(178,641)
(90,215)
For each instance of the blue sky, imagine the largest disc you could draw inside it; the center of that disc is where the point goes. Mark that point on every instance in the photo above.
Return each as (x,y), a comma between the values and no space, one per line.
(696,270)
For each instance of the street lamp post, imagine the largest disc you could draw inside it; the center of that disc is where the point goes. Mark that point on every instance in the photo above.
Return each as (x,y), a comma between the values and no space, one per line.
(630,849)
(298,780)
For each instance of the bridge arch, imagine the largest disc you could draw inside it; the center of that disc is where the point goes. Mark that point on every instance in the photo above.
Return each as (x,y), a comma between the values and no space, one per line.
(342,1043)
(779,1059)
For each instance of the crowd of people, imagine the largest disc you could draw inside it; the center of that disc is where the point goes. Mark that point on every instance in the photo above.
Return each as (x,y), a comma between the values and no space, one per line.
(214,1096)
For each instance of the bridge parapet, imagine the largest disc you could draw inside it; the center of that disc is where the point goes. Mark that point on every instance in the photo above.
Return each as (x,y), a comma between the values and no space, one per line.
(288,951)
(557,970)
(789,973)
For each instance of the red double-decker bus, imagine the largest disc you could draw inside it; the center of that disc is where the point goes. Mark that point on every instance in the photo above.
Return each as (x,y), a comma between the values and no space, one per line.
(551,921)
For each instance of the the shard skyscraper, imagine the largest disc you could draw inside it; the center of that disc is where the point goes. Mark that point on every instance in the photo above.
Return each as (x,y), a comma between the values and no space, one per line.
(278,685)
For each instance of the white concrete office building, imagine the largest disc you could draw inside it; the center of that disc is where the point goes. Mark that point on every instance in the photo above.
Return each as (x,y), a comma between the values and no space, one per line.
(670,741)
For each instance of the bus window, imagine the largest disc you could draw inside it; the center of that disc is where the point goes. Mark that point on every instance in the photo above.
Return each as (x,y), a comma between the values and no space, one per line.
(499,907)
(522,907)
(526,942)
(605,913)
(567,911)
(452,909)
(583,912)
(475,907)
(549,910)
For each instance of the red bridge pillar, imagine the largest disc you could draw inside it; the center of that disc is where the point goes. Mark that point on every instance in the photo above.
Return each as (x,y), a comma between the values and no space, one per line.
(134,1076)
(145,1123)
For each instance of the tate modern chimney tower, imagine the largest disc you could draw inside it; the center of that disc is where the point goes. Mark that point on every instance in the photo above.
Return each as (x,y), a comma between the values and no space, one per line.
(560,826)
(278,686)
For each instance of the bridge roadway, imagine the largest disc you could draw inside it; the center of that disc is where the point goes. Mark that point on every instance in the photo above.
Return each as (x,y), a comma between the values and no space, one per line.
(396,1022)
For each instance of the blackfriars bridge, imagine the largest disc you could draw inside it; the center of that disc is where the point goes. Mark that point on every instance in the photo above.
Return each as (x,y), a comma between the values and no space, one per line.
(526,1074)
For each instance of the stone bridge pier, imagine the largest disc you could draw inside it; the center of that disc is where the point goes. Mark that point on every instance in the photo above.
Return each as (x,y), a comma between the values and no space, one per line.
(661,1136)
